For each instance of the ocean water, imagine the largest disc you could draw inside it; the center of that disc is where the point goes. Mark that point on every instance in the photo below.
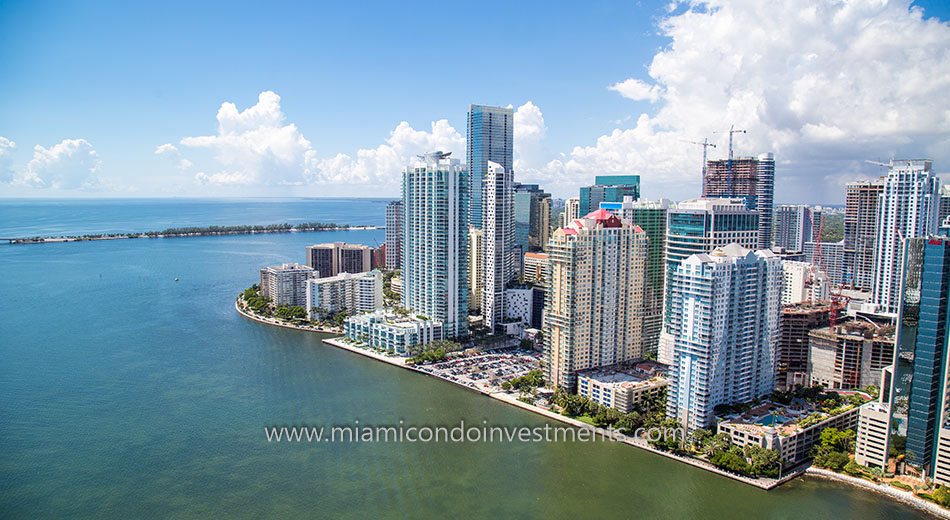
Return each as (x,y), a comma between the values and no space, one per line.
(126,394)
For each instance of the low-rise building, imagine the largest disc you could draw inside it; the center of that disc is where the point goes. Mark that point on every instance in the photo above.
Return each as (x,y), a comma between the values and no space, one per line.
(870,444)
(624,389)
(361,292)
(942,465)
(524,304)
(392,332)
(791,430)
(286,284)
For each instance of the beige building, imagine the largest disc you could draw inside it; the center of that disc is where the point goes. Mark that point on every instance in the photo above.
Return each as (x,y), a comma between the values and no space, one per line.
(852,355)
(361,292)
(594,312)
(534,266)
(286,284)
(622,390)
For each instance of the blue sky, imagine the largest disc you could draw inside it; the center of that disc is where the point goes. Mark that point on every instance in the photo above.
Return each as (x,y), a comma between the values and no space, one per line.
(113,81)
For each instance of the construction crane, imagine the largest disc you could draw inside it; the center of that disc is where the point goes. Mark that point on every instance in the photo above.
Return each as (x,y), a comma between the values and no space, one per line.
(837,300)
(705,144)
(732,131)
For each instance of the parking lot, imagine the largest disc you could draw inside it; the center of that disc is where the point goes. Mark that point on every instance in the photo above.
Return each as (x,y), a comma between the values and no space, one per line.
(488,370)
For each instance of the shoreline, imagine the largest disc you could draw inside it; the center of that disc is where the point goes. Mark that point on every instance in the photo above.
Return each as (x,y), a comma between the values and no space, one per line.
(899,495)
(151,234)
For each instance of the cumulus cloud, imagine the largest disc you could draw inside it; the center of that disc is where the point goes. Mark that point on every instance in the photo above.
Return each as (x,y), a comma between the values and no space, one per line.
(169,150)
(637,90)
(384,164)
(823,85)
(255,146)
(6,165)
(70,164)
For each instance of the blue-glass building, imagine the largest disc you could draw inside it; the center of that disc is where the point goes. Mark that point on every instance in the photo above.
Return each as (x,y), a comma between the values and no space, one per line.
(922,347)
(490,138)
(608,188)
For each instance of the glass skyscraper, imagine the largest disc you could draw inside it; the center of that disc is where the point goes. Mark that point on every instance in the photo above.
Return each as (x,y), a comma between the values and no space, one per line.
(490,138)
(923,332)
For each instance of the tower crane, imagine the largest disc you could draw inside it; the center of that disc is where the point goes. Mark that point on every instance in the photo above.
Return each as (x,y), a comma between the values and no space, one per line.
(705,144)
(732,131)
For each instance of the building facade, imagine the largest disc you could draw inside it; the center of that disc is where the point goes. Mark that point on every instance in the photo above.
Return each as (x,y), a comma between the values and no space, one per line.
(435,241)
(923,335)
(394,218)
(796,323)
(593,314)
(724,321)
(391,332)
(362,292)
(532,217)
(908,208)
(286,284)
(831,261)
(860,232)
(608,188)
(750,178)
(334,258)
(498,241)
(490,138)
(572,211)
(795,225)
(850,356)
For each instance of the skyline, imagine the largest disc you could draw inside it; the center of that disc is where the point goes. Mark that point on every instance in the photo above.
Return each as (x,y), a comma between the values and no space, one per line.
(617,99)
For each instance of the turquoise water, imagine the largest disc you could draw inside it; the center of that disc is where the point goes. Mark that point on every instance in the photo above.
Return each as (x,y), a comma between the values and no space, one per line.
(125,394)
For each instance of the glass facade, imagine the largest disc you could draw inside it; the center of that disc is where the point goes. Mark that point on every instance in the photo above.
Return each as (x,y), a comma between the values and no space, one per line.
(922,344)
(490,138)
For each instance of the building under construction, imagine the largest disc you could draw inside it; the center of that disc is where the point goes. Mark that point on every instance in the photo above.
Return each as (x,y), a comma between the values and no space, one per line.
(792,355)
(850,355)
(749,178)
(860,232)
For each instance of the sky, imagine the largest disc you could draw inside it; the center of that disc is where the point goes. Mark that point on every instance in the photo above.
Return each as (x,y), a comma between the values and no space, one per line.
(232,99)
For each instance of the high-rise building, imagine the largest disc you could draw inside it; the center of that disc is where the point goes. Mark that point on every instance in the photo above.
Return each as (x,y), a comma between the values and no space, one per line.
(490,138)
(908,208)
(286,284)
(795,225)
(752,179)
(334,258)
(594,311)
(724,322)
(608,188)
(792,355)
(923,339)
(831,261)
(476,267)
(701,225)
(535,266)
(650,215)
(361,292)
(860,232)
(944,210)
(532,217)
(435,241)
(498,228)
(394,218)
(572,211)
(801,282)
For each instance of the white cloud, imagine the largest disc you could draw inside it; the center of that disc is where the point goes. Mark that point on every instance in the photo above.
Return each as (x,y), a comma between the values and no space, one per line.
(70,164)
(637,90)
(255,146)
(171,151)
(823,85)
(384,164)
(6,165)
(530,131)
